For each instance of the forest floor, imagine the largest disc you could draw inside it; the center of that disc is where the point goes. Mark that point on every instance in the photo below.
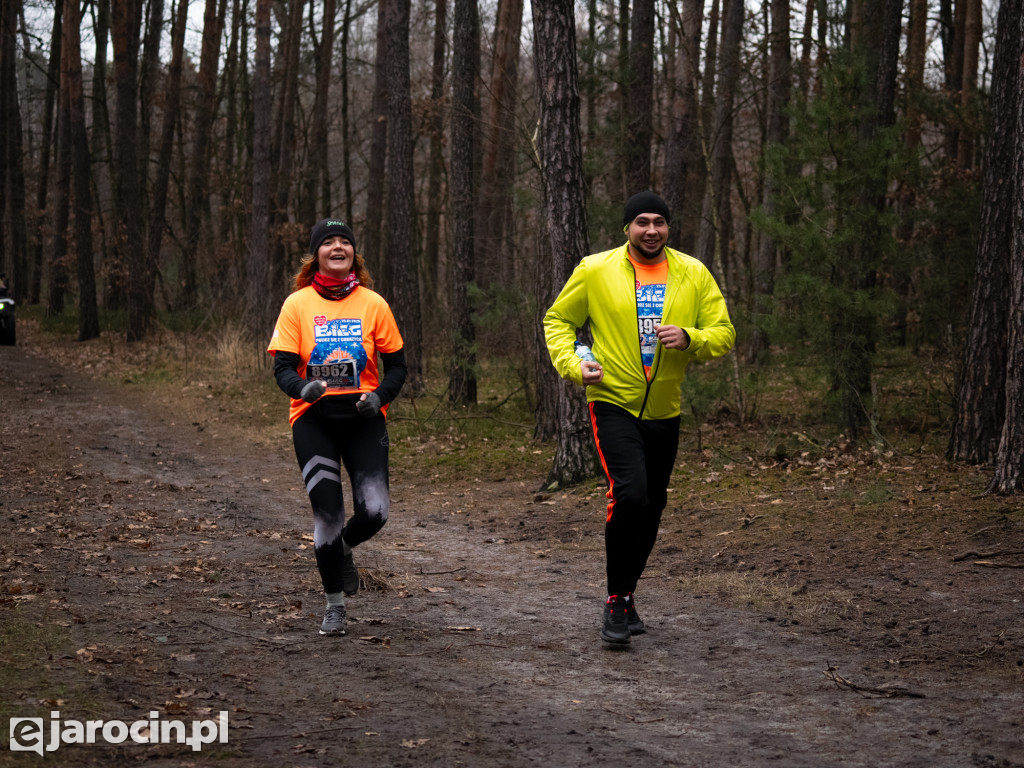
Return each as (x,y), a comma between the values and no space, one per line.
(808,603)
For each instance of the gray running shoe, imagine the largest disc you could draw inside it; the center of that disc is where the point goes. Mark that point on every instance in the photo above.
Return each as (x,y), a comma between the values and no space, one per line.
(349,575)
(334,620)
(616,623)
(636,624)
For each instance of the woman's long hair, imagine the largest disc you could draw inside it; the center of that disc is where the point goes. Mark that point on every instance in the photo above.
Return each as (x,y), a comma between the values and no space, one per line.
(308,268)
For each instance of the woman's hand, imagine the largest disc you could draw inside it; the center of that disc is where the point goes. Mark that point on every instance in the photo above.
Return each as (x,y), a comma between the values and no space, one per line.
(313,391)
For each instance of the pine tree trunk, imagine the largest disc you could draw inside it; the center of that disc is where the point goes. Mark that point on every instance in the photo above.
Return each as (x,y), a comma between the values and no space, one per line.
(149,75)
(640,97)
(259,311)
(58,278)
(906,198)
(172,104)
(875,41)
(716,222)
(346,128)
(1009,470)
(229,221)
(402,264)
(434,264)
(969,81)
(981,396)
(127,20)
(561,155)
(12,172)
(1008,477)
(464,151)
(317,200)
(48,139)
(109,261)
(199,177)
(684,166)
(776,133)
(88,316)
(497,170)
(373,236)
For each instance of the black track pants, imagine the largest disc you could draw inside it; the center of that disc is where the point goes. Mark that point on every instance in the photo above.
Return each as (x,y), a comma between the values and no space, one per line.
(323,445)
(637,456)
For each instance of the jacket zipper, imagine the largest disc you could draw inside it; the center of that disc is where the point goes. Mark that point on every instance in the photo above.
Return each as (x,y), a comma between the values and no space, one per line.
(657,357)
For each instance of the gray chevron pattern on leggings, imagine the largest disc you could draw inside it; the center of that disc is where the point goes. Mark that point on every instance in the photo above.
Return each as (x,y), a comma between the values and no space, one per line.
(320,468)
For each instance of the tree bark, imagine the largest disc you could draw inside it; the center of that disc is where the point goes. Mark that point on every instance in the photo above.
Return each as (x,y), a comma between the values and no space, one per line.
(127,17)
(378,154)
(197,195)
(88,316)
(906,197)
(433,262)
(565,213)
(876,43)
(317,201)
(776,133)
(639,97)
(496,173)
(12,173)
(969,83)
(283,201)
(716,222)
(402,263)
(684,165)
(953,18)
(149,71)
(101,140)
(1009,470)
(48,140)
(806,44)
(230,222)
(259,311)
(172,103)
(464,151)
(346,128)
(58,277)
(979,412)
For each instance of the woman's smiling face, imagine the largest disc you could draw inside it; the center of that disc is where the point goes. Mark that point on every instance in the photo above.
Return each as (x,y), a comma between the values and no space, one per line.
(335,256)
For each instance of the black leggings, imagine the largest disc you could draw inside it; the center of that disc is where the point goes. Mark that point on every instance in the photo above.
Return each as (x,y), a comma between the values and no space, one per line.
(322,445)
(637,456)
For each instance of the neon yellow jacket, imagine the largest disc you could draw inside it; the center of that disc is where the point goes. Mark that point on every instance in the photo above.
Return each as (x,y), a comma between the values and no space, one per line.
(602,289)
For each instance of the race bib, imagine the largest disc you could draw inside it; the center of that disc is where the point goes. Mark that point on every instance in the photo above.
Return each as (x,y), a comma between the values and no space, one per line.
(650,299)
(338,356)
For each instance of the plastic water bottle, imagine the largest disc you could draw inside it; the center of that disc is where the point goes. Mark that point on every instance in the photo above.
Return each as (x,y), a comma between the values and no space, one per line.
(583,352)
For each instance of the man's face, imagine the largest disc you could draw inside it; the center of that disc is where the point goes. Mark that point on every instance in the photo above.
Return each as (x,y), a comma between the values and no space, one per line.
(647,235)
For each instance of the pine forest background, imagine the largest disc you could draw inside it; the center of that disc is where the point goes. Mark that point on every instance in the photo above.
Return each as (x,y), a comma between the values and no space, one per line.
(852,173)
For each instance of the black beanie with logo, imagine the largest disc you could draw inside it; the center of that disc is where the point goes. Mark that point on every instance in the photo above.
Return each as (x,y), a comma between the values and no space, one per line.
(329,228)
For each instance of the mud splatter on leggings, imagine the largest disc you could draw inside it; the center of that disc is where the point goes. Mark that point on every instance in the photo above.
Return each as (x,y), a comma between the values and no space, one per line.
(323,445)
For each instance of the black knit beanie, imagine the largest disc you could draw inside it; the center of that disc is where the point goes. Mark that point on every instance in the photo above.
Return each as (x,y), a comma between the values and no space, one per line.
(329,228)
(644,202)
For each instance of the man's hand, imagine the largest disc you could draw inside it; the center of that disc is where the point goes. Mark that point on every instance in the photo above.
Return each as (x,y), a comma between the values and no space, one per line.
(368,405)
(672,336)
(313,390)
(592,372)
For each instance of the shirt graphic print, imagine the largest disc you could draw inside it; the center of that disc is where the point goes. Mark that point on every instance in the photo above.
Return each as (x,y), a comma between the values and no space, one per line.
(338,356)
(650,302)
